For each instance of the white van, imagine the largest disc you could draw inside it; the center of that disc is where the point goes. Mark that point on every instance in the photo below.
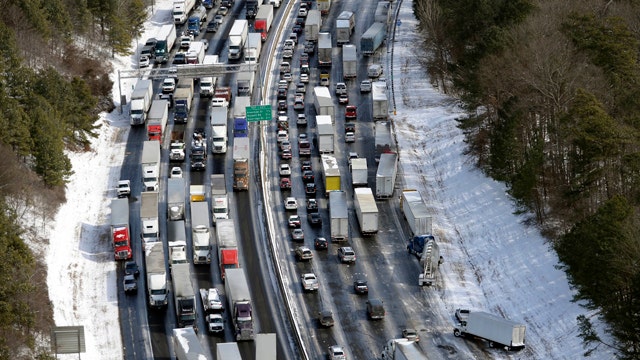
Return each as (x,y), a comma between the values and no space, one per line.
(374,70)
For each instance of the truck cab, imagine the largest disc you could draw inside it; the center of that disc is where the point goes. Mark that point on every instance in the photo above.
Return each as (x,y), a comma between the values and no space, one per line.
(124,188)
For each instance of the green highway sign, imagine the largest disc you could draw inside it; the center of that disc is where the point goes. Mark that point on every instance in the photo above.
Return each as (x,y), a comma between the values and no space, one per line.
(259,113)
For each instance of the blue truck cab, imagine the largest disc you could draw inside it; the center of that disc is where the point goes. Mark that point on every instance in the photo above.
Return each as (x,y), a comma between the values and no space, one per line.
(240,127)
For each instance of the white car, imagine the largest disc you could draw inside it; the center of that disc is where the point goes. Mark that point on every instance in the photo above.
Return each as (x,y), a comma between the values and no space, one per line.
(176,172)
(336,352)
(290,203)
(365,86)
(302,12)
(309,282)
(144,61)
(285,170)
(349,137)
(168,85)
(285,145)
(213,299)
(304,78)
(341,88)
(282,136)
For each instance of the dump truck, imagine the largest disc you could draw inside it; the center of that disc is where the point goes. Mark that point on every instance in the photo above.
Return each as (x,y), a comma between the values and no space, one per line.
(240,305)
(339,215)
(165,40)
(219,131)
(359,172)
(430,260)
(324,127)
(366,211)
(263,21)
(120,229)
(380,103)
(149,216)
(157,119)
(371,40)
(200,235)
(150,165)
(176,189)
(177,145)
(349,61)
(323,102)
(325,49)
(415,212)
(345,23)
(241,170)
(157,290)
(141,99)
(227,246)
(330,174)
(184,296)
(219,198)
(312,25)
(498,331)
(386,175)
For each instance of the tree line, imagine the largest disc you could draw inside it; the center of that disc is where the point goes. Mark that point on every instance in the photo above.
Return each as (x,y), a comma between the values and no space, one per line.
(54,75)
(559,85)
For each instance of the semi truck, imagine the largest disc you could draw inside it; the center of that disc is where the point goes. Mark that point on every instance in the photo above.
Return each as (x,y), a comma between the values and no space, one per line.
(240,306)
(349,61)
(208,83)
(324,6)
(241,154)
(330,173)
(371,40)
(165,40)
(402,349)
(382,139)
(157,290)
(366,211)
(324,128)
(196,21)
(244,80)
(228,351)
(322,101)
(184,296)
(219,119)
(252,54)
(227,246)
(238,38)
(177,146)
(149,216)
(325,48)
(380,103)
(312,25)
(345,23)
(200,235)
(150,164)
(157,119)
(141,99)
(263,21)
(430,260)
(359,172)
(339,215)
(415,212)
(240,111)
(382,14)
(186,345)
(182,99)
(181,10)
(386,175)
(498,331)
(175,198)
(219,198)
(120,230)
(177,241)
(195,53)
(251,7)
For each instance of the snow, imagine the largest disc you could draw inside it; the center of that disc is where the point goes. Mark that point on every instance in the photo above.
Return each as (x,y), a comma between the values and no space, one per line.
(493,261)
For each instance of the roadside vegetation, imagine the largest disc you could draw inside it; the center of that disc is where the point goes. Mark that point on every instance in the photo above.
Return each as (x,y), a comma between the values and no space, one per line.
(55,80)
(557,85)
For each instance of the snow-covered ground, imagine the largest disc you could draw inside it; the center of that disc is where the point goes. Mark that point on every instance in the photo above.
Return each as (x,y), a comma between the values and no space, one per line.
(493,261)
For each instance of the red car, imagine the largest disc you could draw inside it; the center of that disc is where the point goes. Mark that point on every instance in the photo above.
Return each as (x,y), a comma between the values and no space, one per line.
(351,112)
(285,184)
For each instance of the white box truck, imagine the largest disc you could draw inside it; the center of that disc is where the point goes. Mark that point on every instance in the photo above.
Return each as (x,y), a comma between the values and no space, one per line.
(149,216)
(386,175)
(324,128)
(157,119)
(200,235)
(254,46)
(498,331)
(244,83)
(228,351)
(150,164)
(312,25)
(323,102)
(366,211)
(380,103)
(219,130)
(181,10)
(237,38)
(416,213)
(325,49)
(345,23)
(349,61)
(359,172)
(208,83)
(141,99)
(339,214)
(219,198)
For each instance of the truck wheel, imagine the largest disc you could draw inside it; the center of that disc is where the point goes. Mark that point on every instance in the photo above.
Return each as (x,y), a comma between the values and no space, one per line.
(457,333)
(491,344)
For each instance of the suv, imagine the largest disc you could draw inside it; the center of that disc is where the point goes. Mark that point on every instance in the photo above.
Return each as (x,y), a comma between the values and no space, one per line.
(341,88)
(365,86)
(130,284)
(375,310)
(301,120)
(346,254)
(131,268)
(325,317)
(303,253)
(124,188)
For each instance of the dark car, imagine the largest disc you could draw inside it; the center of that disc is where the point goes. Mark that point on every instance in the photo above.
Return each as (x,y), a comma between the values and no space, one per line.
(306,165)
(312,205)
(310,189)
(282,94)
(314,219)
(360,287)
(304,58)
(307,176)
(282,105)
(349,127)
(130,267)
(179,59)
(151,42)
(212,26)
(297,29)
(325,317)
(321,243)
(375,309)
(300,21)
(309,48)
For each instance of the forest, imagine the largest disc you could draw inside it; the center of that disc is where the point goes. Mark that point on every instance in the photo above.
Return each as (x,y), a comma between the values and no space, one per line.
(55,82)
(554,88)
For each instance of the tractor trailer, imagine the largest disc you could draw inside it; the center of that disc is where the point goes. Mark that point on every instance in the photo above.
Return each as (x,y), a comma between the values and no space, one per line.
(157,290)
(366,211)
(240,306)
